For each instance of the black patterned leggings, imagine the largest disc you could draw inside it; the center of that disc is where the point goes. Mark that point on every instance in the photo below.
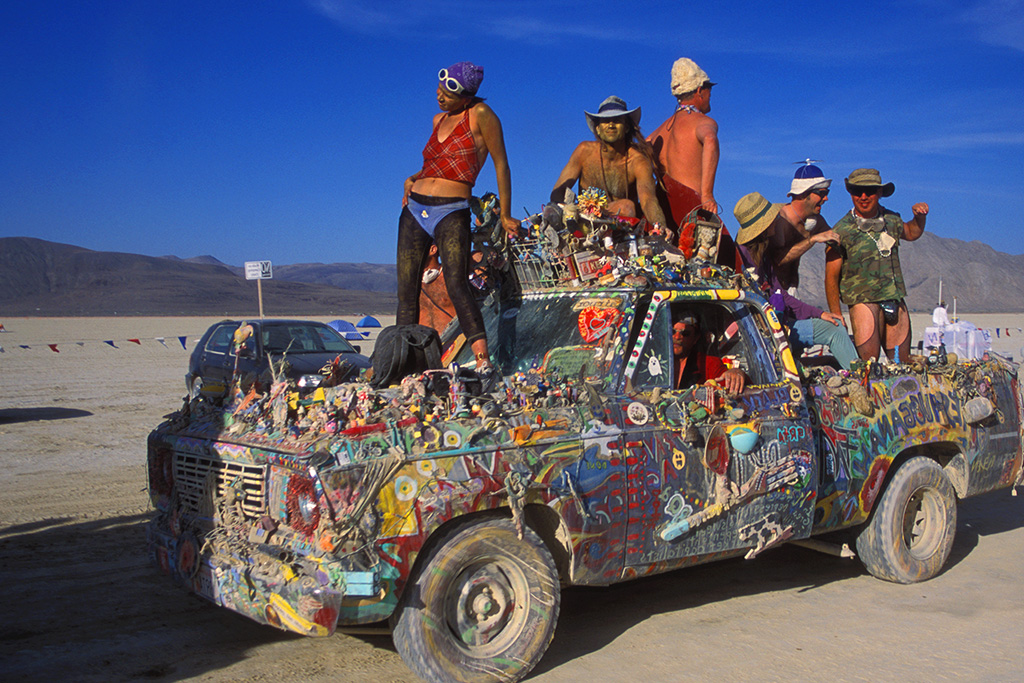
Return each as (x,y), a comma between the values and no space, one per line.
(453,245)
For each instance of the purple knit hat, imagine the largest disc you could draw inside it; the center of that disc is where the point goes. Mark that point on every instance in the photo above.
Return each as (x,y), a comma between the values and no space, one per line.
(463,78)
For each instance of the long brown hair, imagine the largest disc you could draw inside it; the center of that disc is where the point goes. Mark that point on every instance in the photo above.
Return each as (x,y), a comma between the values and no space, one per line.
(756,247)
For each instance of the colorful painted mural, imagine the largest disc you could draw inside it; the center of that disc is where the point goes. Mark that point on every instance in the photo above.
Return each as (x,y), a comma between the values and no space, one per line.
(308,510)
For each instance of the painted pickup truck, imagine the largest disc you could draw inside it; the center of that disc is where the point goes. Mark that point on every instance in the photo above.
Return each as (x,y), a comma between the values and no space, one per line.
(458,515)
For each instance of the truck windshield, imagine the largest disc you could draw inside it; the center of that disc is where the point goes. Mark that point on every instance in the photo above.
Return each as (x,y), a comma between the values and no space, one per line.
(554,332)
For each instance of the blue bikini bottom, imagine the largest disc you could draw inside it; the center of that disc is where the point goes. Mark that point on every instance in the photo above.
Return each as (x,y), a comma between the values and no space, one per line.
(429,216)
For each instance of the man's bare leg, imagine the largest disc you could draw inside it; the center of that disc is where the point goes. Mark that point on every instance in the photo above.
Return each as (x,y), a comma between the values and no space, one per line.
(866,320)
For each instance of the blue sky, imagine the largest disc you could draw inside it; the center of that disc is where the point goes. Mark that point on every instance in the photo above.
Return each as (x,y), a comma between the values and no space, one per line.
(283,129)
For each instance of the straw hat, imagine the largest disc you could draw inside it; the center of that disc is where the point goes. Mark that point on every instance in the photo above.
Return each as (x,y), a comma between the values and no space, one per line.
(754,213)
(869,177)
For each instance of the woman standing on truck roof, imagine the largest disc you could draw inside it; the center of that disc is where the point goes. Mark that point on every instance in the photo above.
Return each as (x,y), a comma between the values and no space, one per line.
(436,200)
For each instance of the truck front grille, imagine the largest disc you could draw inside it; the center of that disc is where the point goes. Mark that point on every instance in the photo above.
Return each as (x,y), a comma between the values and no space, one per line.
(200,481)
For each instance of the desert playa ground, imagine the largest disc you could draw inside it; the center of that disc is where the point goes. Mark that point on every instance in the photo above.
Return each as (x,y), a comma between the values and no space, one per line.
(82,602)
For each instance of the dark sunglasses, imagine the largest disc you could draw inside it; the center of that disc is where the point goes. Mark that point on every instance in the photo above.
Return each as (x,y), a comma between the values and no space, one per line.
(820,193)
(688,332)
(869,191)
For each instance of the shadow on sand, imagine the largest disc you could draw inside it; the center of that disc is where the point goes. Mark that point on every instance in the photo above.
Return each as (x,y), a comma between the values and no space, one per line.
(12,415)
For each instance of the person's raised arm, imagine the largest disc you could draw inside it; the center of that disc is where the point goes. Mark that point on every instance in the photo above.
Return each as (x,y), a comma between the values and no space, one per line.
(798,249)
(707,135)
(915,227)
(494,141)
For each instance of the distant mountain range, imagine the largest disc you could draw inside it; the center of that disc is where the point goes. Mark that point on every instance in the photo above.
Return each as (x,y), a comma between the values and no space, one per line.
(982,279)
(46,278)
(371,277)
(50,279)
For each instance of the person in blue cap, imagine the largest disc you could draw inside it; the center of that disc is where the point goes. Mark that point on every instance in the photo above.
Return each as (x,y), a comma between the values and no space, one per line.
(799,225)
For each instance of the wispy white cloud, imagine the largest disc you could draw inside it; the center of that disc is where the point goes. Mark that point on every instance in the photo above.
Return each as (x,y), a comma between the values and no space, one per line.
(541,22)
(541,31)
(998,22)
(526,20)
(364,17)
(940,144)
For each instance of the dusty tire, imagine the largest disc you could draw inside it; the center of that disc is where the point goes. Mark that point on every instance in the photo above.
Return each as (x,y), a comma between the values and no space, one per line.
(911,531)
(483,607)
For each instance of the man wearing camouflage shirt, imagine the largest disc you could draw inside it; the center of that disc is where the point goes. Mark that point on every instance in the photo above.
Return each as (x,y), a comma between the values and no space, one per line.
(863,270)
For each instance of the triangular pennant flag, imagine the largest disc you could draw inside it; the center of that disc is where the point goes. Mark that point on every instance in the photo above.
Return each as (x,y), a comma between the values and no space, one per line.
(182,340)
(2,350)
(107,341)
(997,333)
(135,341)
(25,346)
(2,328)
(80,343)
(161,340)
(53,347)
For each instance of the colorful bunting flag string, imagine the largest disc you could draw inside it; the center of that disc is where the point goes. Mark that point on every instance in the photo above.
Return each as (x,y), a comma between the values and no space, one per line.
(54,346)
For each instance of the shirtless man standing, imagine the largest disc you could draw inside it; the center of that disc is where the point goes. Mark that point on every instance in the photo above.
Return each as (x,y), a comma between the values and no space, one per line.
(618,162)
(686,145)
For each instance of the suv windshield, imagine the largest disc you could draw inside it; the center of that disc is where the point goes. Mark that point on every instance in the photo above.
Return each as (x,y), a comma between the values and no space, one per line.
(301,337)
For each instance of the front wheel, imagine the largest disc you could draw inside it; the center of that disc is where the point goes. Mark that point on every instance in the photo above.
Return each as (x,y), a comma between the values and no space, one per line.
(910,534)
(483,607)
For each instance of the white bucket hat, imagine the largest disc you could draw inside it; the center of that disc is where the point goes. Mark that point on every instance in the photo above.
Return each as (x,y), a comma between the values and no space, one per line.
(687,77)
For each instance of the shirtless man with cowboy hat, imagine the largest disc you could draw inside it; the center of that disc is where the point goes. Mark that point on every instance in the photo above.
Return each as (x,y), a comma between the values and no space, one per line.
(618,162)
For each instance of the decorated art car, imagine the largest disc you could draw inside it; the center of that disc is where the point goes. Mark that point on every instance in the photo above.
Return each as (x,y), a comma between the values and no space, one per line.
(458,517)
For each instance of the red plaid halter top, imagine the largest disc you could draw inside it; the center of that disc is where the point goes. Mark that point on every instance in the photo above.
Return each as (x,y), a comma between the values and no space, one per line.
(453,159)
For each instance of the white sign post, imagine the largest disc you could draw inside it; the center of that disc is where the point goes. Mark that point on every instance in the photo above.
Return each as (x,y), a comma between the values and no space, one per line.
(259,271)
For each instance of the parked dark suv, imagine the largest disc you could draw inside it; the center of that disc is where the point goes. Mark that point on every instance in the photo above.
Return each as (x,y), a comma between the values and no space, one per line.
(306,345)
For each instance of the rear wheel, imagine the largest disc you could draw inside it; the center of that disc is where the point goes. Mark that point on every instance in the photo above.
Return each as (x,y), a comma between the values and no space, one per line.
(911,531)
(483,607)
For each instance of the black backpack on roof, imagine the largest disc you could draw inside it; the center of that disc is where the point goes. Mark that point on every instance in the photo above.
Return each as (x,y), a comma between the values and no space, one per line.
(403,350)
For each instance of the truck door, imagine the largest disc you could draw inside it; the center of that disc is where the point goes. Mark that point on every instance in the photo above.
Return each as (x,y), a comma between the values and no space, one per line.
(708,472)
